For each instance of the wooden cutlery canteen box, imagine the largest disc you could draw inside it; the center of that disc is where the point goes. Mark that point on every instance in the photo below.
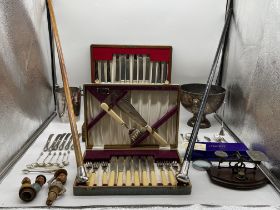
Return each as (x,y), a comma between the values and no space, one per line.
(131,125)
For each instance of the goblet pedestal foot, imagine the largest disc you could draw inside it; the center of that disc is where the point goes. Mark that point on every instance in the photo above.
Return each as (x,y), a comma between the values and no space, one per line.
(203,124)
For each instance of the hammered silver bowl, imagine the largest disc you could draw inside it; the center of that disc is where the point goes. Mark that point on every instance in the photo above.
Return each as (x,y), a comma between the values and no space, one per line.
(191,97)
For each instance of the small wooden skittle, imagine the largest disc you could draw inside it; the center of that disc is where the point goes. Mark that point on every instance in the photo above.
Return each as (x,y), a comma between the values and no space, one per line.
(128,171)
(153,178)
(136,171)
(120,171)
(112,177)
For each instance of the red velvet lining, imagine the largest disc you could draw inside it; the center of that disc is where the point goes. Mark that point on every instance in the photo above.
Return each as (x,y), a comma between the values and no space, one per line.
(96,155)
(106,53)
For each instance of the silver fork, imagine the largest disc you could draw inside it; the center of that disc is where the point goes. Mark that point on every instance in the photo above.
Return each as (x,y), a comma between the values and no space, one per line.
(104,166)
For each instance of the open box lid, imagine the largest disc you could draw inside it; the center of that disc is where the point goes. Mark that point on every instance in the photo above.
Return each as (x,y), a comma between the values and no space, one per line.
(157,104)
(131,64)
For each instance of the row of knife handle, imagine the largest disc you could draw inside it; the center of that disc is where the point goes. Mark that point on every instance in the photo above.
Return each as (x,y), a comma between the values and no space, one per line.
(59,142)
(163,175)
(131,69)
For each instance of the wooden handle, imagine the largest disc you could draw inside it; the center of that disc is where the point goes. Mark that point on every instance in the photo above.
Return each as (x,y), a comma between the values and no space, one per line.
(120,179)
(136,178)
(128,179)
(91,179)
(113,114)
(145,180)
(112,179)
(172,178)
(104,178)
(72,119)
(163,178)
(153,178)
(157,137)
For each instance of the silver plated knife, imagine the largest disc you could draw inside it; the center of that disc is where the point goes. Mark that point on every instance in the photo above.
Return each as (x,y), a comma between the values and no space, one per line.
(99,70)
(151,72)
(136,171)
(120,171)
(55,146)
(128,171)
(131,65)
(61,146)
(137,68)
(144,180)
(113,69)
(153,178)
(162,72)
(120,67)
(144,67)
(67,146)
(156,73)
(113,171)
(54,142)
(105,71)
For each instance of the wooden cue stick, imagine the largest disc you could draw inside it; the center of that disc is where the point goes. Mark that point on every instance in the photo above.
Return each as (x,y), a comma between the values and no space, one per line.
(73,125)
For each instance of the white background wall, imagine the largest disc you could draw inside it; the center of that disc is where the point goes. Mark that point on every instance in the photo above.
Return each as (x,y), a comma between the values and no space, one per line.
(192,27)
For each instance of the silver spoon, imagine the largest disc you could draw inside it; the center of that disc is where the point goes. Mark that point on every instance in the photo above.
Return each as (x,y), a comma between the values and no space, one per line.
(50,161)
(43,163)
(60,165)
(188,137)
(33,165)
(66,162)
(207,138)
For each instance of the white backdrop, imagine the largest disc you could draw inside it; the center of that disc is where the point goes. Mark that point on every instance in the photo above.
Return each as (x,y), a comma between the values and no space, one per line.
(192,27)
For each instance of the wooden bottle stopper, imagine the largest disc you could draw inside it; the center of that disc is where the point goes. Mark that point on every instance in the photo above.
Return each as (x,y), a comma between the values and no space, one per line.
(29,191)
(56,188)
(26,192)
(54,191)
